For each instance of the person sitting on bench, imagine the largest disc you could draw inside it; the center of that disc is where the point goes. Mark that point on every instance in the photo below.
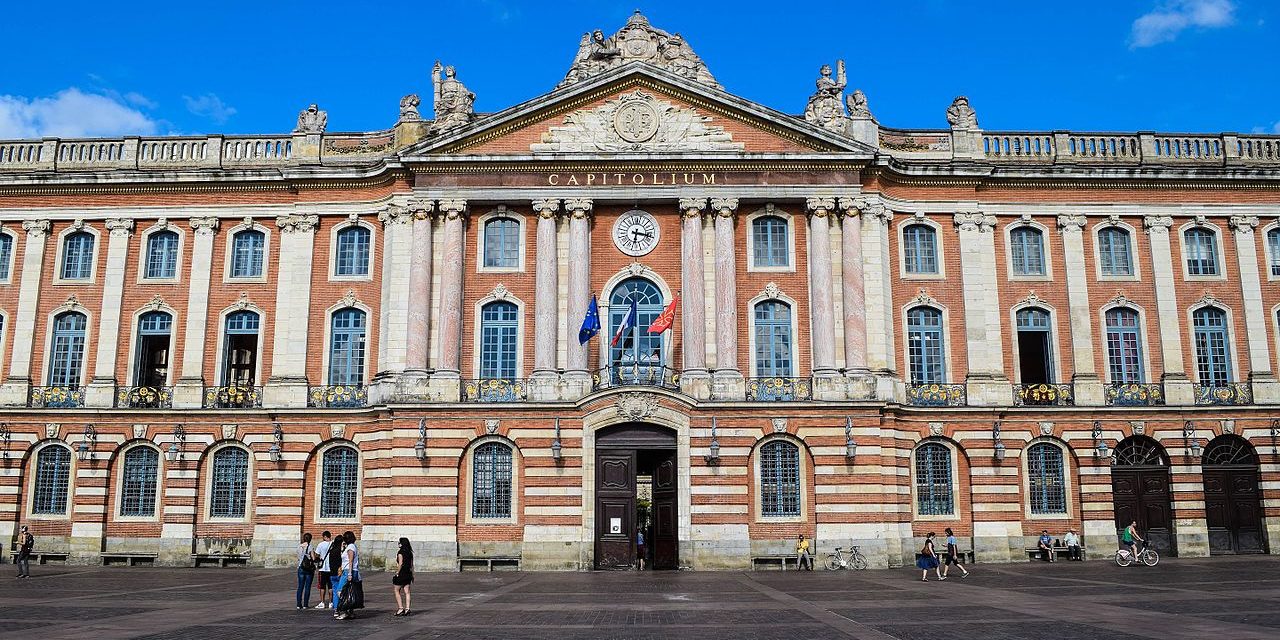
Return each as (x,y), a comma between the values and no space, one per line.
(1045,545)
(1073,544)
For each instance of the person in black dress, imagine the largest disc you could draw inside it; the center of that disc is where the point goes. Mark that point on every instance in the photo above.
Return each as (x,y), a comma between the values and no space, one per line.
(403,577)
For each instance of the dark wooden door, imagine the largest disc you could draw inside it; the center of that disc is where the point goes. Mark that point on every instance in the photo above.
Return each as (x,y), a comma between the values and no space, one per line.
(615,509)
(1233,510)
(665,514)
(1142,494)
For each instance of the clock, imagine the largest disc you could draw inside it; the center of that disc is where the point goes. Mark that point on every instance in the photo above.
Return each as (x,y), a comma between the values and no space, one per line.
(635,233)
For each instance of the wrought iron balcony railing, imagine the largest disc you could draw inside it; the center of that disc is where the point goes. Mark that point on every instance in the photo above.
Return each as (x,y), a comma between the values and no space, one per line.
(232,397)
(55,397)
(1134,394)
(495,390)
(937,395)
(1044,395)
(779,389)
(338,396)
(635,375)
(1230,393)
(144,397)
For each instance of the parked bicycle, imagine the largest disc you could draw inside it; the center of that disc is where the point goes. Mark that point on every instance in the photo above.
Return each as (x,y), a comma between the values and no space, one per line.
(1146,555)
(850,558)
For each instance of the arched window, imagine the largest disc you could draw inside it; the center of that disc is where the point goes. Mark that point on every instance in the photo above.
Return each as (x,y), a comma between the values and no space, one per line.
(1026,249)
(499,323)
(347,347)
(339,482)
(1273,248)
(925,346)
(353,252)
(247,249)
(162,254)
(1213,350)
(1047,479)
(1124,346)
(53,473)
(491,481)
(1035,347)
(920,249)
(240,353)
(138,482)
(77,256)
(1140,451)
(773,339)
(769,243)
(66,366)
(502,243)
(6,255)
(1115,251)
(1202,251)
(933,480)
(151,368)
(1229,450)
(229,488)
(635,345)
(779,479)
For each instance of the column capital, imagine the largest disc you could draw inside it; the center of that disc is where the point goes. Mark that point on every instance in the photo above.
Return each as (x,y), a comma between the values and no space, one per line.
(420,208)
(36,229)
(546,208)
(1072,222)
(692,207)
(578,207)
(204,226)
(453,208)
(1154,224)
(394,214)
(974,221)
(1243,224)
(298,223)
(820,206)
(120,227)
(724,207)
(852,207)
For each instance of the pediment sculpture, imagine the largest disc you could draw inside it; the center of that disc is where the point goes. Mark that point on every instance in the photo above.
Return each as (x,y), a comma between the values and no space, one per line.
(454,104)
(636,121)
(637,41)
(826,106)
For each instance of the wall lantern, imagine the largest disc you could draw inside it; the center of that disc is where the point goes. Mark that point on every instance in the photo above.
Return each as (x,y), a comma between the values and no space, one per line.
(85,450)
(179,439)
(850,447)
(713,455)
(1190,440)
(556,447)
(277,444)
(420,447)
(995,438)
(1099,445)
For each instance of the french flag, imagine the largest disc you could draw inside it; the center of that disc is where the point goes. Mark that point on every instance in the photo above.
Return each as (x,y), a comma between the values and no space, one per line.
(628,321)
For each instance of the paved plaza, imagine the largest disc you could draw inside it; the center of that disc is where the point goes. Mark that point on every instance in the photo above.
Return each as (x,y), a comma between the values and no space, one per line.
(1194,599)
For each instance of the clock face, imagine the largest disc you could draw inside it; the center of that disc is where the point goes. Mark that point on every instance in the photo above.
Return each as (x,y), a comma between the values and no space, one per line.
(635,233)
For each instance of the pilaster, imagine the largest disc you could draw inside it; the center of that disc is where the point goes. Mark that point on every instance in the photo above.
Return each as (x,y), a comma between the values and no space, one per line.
(577,378)
(1087,387)
(188,393)
(102,388)
(1177,387)
(544,383)
(1266,390)
(389,383)
(14,390)
(694,378)
(727,382)
(287,386)
(987,384)
(877,280)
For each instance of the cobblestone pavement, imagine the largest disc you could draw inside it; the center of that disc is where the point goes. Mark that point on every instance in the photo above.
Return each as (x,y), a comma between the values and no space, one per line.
(1193,599)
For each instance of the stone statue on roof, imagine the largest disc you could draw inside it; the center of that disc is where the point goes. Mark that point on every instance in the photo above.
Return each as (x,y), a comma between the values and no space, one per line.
(857,103)
(454,104)
(636,41)
(409,108)
(960,115)
(312,120)
(826,105)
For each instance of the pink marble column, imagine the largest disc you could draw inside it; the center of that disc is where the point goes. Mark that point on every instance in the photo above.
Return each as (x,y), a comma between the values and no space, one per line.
(821,305)
(692,296)
(419,287)
(546,289)
(726,288)
(579,211)
(454,214)
(855,311)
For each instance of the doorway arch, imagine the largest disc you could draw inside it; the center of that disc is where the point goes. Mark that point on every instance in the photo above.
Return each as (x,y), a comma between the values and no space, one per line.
(637,492)
(1232,503)
(1140,491)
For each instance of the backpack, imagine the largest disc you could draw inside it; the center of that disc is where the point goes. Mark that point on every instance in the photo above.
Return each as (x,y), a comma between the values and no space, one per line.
(335,558)
(308,564)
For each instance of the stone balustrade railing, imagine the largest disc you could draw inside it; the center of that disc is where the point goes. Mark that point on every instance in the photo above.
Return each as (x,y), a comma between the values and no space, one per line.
(1025,147)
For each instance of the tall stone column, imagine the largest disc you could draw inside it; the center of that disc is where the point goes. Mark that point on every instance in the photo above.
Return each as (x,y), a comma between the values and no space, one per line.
(390,383)
(727,381)
(188,393)
(546,286)
(1266,390)
(102,388)
(1177,387)
(694,379)
(852,283)
(287,386)
(14,390)
(987,384)
(446,379)
(877,279)
(822,338)
(577,374)
(419,311)
(1087,388)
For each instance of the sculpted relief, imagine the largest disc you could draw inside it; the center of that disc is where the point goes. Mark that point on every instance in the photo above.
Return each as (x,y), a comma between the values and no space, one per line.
(636,121)
(637,41)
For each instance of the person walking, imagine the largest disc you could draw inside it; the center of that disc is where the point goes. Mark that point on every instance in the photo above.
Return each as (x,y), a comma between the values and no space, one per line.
(803,557)
(640,548)
(26,542)
(322,580)
(953,556)
(350,574)
(1073,544)
(306,571)
(928,558)
(403,578)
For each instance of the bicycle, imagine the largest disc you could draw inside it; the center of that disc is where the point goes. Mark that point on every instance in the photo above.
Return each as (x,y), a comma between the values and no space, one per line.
(1146,556)
(846,559)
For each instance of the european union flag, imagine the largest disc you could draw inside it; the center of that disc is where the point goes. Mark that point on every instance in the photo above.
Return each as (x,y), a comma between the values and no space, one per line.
(591,323)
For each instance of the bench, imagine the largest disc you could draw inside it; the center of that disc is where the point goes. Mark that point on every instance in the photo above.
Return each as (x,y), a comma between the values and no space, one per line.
(489,563)
(43,557)
(1058,551)
(128,559)
(781,561)
(219,559)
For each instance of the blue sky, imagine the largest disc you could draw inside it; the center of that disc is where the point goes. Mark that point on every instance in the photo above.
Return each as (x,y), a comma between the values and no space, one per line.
(248,67)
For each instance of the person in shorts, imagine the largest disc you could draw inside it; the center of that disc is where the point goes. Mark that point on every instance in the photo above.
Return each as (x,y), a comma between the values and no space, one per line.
(322,554)
(953,556)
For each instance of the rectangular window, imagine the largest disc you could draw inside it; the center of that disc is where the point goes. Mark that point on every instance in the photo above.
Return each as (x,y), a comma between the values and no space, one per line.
(933,480)
(6,255)
(924,348)
(1124,356)
(779,480)
(498,334)
(162,255)
(1114,252)
(920,249)
(1212,357)
(1027,251)
(502,243)
(246,254)
(1273,246)
(353,252)
(77,256)
(68,359)
(769,246)
(1202,252)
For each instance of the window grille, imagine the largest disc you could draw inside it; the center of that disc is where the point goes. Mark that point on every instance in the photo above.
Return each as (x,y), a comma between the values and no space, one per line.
(1124,346)
(920,249)
(779,479)
(773,339)
(53,473)
(1229,450)
(1140,451)
(1027,251)
(347,347)
(491,481)
(339,481)
(246,254)
(502,243)
(229,493)
(353,252)
(1213,352)
(1115,252)
(933,480)
(499,322)
(162,254)
(77,256)
(769,242)
(925,346)
(138,484)
(1048,485)
(67,364)
(1202,252)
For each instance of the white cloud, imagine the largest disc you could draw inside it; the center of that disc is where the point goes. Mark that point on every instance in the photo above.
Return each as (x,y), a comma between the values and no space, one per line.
(1167,21)
(209,106)
(72,113)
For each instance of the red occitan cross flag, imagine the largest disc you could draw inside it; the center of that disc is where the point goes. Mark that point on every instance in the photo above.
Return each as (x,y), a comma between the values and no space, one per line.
(666,318)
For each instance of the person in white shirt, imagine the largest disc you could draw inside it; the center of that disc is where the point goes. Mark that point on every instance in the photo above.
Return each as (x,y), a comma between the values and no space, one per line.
(322,553)
(350,572)
(1073,544)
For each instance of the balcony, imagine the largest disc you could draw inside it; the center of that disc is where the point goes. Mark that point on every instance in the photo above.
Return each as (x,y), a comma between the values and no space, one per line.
(1231,393)
(1043,395)
(779,389)
(495,390)
(144,397)
(338,396)
(55,397)
(1135,394)
(232,397)
(635,375)
(936,395)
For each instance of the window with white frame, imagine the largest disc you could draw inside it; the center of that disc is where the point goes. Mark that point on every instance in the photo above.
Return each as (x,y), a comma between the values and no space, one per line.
(66,366)
(138,482)
(339,482)
(247,248)
(779,479)
(352,252)
(499,330)
(240,349)
(773,339)
(6,255)
(53,477)
(1273,248)
(229,485)
(491,481)
(1046,479)
(502,243)
(1202,251)
(1026,250)
(347,346)
(769,242)
(1124,346)
(1115,251)
(77,256)
(162,255)
(925,357)
(1213,349)
(920,249)
(933,480)
(151,366)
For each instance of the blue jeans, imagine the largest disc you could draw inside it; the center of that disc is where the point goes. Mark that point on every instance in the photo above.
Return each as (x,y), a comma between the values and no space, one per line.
(338,583)
(304,588)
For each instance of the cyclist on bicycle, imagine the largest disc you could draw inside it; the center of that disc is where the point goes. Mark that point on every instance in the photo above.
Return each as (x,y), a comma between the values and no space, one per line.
(1127,540)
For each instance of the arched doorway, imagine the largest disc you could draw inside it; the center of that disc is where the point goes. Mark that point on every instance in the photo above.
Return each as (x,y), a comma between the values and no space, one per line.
(636,490)
(1231,501)
(1140,491)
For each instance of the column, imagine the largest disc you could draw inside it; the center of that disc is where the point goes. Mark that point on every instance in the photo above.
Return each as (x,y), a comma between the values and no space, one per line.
(877,280)
(102,388)
(1177,387)
(822,339)
(694,379)
(449,370)
(14,390)
(287,386)
(852,290)
(1266,390)
(188,393)
(546,285)
(389,383)
(577,374)
(986,384)
(1087,388)
(727,381)
(418,314)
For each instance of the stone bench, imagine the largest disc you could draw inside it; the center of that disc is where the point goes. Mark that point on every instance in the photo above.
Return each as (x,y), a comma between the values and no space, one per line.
(128,559)
(219,559)
(43,557)
(489,563)
(1034,553)
(781,561)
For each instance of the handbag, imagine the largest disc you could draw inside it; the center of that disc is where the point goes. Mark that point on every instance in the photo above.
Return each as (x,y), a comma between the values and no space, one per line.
(357,594)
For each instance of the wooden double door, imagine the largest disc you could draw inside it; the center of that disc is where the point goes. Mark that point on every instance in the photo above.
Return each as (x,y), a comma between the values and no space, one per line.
(623,457)
(1233,509)
(1142,494)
